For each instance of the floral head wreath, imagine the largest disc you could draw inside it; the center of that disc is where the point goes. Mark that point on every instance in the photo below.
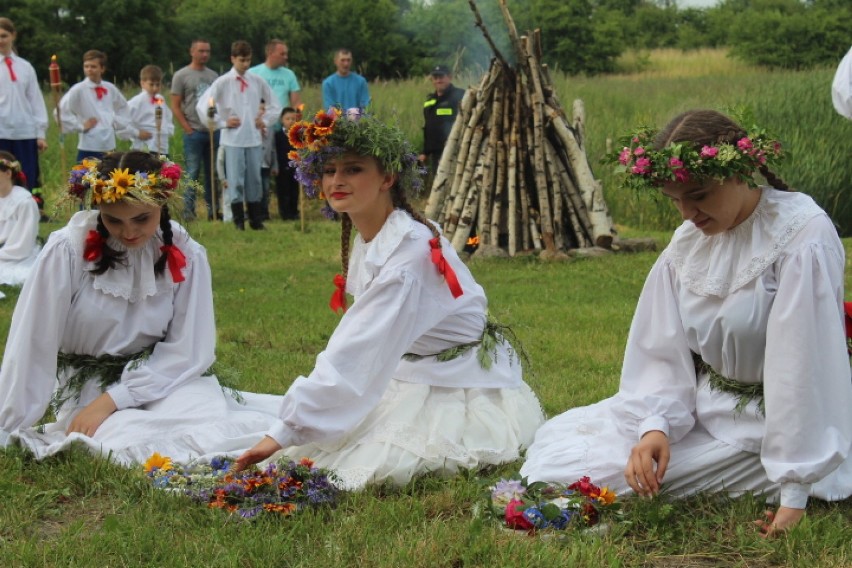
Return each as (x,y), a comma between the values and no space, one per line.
(644,167)
(14,166)
(332,133)
(92,188)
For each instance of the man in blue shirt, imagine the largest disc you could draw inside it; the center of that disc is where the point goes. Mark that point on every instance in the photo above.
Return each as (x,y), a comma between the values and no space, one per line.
(345,89)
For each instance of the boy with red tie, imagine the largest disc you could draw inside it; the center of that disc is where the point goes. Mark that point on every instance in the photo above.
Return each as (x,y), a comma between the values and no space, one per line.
(96,109)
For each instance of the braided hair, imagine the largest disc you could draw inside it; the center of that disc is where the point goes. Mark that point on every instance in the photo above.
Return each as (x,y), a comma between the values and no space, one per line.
(18,176)
(135,161)
(709,127)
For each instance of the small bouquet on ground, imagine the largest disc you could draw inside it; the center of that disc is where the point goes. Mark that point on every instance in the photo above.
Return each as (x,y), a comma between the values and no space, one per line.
(281,488)
(537,506)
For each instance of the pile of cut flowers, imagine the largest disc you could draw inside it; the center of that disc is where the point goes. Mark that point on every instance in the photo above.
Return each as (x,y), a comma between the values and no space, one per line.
(537,506)
(283,488)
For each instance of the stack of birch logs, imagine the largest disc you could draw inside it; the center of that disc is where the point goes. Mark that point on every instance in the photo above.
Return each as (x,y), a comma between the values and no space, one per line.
(514,173)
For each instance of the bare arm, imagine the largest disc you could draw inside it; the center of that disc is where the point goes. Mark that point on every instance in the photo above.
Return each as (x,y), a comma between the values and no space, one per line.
(177,110)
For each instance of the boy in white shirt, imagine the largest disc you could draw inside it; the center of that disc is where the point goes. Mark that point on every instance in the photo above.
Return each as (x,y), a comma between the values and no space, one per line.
(143,114)
(96,109)
(245,105)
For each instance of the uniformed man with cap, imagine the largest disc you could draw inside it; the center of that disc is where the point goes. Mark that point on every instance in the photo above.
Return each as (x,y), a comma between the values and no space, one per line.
(439,114)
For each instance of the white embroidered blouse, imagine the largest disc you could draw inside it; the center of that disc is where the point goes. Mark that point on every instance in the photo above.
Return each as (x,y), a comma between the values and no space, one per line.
(762,302)
(402,305)
(64,307)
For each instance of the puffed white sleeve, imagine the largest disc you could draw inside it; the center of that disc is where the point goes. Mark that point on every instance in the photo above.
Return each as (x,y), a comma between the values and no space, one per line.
(352,373)
(28,373)
(65,113)
(658,384)
(189,347)
(122,120)
(841,86)
(36,103)
(22,239)
(807,386)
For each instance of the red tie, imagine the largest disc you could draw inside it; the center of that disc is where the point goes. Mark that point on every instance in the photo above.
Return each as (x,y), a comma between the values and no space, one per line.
(11,71)
(100,91)
(243,83)
(155,99)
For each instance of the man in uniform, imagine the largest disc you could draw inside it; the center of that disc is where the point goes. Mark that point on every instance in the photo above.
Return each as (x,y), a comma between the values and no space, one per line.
(439,114)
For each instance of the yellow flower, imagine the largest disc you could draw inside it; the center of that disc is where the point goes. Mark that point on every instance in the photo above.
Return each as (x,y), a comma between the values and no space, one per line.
(122,179)
(156,461)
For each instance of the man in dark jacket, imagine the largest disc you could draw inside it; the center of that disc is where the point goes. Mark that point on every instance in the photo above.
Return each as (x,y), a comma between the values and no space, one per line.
(439,114)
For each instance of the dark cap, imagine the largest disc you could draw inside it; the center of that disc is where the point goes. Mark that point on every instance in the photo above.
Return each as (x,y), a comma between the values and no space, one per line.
(440,70)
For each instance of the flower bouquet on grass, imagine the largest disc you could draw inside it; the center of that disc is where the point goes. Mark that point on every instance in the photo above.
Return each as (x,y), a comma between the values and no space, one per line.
(531,507)
(281,488)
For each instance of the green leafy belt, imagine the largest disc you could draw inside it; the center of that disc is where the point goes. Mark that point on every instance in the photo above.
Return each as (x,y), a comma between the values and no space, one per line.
(107,370)
(744,392)
(492,334)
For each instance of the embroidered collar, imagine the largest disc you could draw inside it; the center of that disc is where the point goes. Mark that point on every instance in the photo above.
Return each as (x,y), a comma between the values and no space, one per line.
(368,258)
(134,280)
(719,265)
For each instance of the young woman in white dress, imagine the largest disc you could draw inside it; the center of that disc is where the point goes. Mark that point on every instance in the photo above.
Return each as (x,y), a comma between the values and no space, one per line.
(736,376)
(18,224)
(414,378)
(119,309)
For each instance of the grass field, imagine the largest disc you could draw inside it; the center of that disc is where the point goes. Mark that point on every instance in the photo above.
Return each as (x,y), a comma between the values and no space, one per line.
(271,291)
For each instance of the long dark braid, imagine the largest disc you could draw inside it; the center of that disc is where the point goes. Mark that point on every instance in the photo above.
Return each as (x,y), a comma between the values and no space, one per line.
(345,236)
(166,230)
(110,257)
(401,202)
(709,127)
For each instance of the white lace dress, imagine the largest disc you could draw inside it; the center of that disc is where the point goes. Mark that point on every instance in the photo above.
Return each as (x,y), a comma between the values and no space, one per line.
(18,233)
(164,404)
(373,416)
(759,303)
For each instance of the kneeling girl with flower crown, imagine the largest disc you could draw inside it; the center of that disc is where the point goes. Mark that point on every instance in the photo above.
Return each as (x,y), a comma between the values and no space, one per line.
(735,375)
(119,309)
(414,378)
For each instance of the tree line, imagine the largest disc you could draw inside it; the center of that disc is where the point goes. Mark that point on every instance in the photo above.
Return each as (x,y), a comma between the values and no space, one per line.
(402,38)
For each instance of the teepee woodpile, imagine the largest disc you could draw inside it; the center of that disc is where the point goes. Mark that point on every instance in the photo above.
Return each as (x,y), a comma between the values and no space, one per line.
(514,171)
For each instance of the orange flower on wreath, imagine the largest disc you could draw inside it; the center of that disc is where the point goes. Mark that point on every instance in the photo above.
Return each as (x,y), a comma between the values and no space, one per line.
(324,121)
(283,508)
(298,135)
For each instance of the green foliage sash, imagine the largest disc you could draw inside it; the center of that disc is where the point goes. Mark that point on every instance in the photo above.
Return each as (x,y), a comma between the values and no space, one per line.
(492,334)
(744,392)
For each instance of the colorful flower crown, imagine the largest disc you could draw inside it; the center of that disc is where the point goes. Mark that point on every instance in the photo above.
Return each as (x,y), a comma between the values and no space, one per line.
(13,166)
(148,187)
(644,167)
(332,133)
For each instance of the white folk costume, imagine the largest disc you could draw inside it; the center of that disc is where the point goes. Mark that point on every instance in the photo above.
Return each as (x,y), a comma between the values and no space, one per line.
(18,233)
(371,414)
(759,303)
(165,404)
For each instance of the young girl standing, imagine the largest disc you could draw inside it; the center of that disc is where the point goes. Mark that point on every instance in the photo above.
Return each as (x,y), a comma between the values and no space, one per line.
(415,378)
(23,114)
(115,328)
(18,224)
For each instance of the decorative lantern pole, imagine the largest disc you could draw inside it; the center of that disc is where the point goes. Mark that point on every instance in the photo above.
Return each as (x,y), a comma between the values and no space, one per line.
(211,128)
(56,89)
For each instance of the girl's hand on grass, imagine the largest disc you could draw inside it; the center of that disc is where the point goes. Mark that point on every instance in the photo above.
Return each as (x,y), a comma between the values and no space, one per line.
(92,416)
(652,449)
(262,450)
(775,523)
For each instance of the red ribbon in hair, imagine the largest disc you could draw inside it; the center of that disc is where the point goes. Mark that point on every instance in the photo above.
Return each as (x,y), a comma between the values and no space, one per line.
(176,261)
(444,268)
(338,298)
(94,246)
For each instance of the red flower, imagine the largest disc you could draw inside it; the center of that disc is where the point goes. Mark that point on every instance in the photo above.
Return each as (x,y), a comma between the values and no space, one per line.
(172,173)
(515,519)
(585,487)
